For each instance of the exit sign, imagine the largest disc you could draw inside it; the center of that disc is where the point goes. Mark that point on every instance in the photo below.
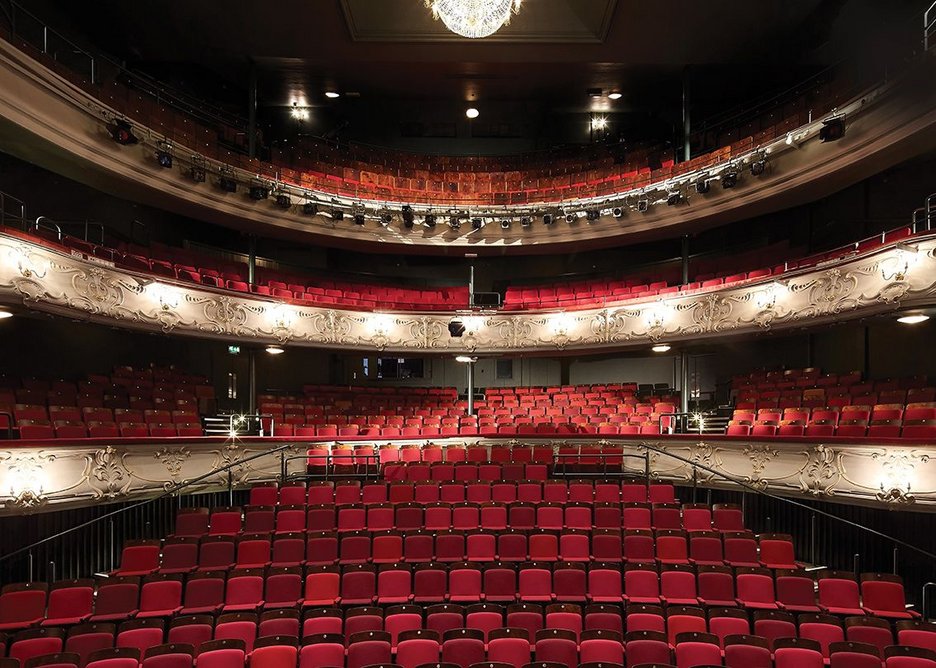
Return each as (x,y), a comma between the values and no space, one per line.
(234,350)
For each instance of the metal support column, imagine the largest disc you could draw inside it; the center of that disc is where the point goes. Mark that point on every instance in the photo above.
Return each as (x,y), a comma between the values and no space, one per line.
(470,366)
(687,153)
(252,112)
(252,381)
(684,382)
(471,283)
(685,259)
(252,260)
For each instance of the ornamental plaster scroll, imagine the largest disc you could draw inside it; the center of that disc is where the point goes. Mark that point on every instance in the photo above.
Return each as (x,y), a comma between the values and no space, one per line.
(897,276)
(61,475)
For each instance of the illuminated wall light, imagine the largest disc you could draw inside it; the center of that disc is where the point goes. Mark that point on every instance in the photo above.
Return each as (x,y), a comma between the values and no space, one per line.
(615,95)
(472,113)
(299,113)
(767,298)
(560,324)
(332,94)
(275,350)
(282,316)
(26,264)
(5,314)
(379,323)
(465,359)
(472,323)
(167,297)
(661,348)
(657,316)
(897,267)
(913,318)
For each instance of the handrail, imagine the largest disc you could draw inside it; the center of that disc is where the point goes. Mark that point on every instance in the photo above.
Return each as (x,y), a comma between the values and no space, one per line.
(45,221)
(168,493)
(799,504)
(929,25)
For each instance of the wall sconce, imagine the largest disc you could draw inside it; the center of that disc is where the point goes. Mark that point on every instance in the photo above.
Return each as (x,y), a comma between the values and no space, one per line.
(380,324)
(897,267)
(26,483)
(766,299)
(282,316)
(21,260)
(561,323)
(473,323)
(657,316)
(167,297)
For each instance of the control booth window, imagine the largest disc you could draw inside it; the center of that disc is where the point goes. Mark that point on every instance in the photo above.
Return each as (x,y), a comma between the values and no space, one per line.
(400,368)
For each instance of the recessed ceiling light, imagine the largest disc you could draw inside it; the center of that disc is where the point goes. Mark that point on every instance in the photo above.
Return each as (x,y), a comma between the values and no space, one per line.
(5,314)
(614,95)
(471,112)
(275,350)
(332,94)
(913,319)
(661,348)
(466,359)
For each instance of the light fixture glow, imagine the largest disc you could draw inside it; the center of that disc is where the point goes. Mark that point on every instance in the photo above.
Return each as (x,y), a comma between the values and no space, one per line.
(275,350)
(661,348)
(332,94)
(471,112)
(5,314)
(913,319)
(599,122)
(466,359)
(299,113)
(474,18)
(614,95)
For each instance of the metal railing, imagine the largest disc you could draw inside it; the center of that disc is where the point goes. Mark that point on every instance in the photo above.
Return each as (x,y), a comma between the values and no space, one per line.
(929,25)
(12,210)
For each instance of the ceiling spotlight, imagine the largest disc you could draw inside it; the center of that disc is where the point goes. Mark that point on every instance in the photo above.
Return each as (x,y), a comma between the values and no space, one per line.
(197,173)
(643,205)
(526,221)
(466,359)
(505,223)
(477,223)
(337,214)
(456,328)
(471,112)
(164,157)
(661,348)
(310,208)
(547,219)
(5,314)
(258,192)
(614,95)
(122,132)
(454,222)
(702,186)
(275,350)
(283,201)
(430,220)
(358,218)
(591,215)
(758,166)
(913,319)
(408,217)
(593,92)
(673,198)
(832,129)
(729,179)
(386,218)
(332,94)
(617,212)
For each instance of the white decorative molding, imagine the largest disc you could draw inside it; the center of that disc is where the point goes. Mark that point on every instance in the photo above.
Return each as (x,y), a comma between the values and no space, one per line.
(898,276)
(61,474)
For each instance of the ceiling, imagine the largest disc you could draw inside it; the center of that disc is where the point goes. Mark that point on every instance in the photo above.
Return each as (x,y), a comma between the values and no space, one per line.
(392,56)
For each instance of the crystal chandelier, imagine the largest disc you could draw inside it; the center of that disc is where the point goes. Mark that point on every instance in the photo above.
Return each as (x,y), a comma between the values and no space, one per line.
(474,18)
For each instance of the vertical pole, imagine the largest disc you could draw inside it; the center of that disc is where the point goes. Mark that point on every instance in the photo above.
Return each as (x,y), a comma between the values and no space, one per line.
(252,112)
(471,285)
(685,259)
(252,381)
(812,539)
(684,382)
(647,472)
(856,564)
(252,261)
(230,487)
(687,153)
(470,366)
(695,483)
(896,555)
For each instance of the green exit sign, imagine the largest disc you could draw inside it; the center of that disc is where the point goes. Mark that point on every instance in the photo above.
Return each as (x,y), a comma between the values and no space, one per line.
(234,350)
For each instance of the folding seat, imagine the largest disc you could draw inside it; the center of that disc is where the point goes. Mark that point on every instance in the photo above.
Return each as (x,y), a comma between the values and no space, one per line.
(634,493)
(697,648)
(204,593)
(549,515)
(253,550)
(500,583)
(466,516)
(529,491)
(418,546)
(672,547)
(346,492)
(358,585)
(352,517)
(882,595)
(871,630)
(464,583)
(117,599)
(480,546)
(283,588)
(319,493)
(322,547)
(380,517)
(450,492)
(773,624)
(160,596)
(394,584)
(512,546)
(224,521)
(438,516)
(557,646)
(169,656)
(401,618)
(639,546)
(678,585)
(484,617)
(360,619)
(578,515)
(776,551)
(899,656)
(854,655)
(685,619)
(916,633)
(746,651)
(323,518)
(262,519)
(387,547)
(667,516)
(319,621)
(796,591)
(697,517)
(509,646)
(139,557)
(728,622)
(289,549)
(646,647)
(323,649)
(791,652)
(535,583)
(244,591)
(69,602)
(661,493)
(740,549)
(140,634)
(449,546)
(641,584)
(543,546)
(824,629)
(463,647)
(274,652)
(607,545)
(569,582)
(83,639)
(263,494)
(503,492)
(756,589)
(216,553)
(493,516)
(716,586)
(408,516)
(636,516)
(521,514)
(117,657)
(444,618)
(727,517)
(30,643)
(191,630)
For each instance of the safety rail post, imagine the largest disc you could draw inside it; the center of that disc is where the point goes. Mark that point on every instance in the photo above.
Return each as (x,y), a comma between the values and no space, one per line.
(896,558)
(283,472)
(647,470)
(928,24)
(856,564)
(925,599)
(695,483)
(230,487)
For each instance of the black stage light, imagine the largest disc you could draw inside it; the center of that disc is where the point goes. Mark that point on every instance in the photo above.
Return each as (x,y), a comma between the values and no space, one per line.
(122,132)
(337,214)
(259,192)
(617,212)
(408,217)
(454,222)
(164,158)
(197,174)
(673,198)
(758,167)
(283,201)
(547,219)
(702,186)
(310,208)
(477,223)
(526,221)
(591,215)
(571,218)
(358,218)
(227,184)
(456,328)
(386,218)
(729,179)
(832,129)
(430,220)
(643,205)
(505,223)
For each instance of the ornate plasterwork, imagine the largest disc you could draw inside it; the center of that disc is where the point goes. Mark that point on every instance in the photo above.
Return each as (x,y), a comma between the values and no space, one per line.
(47,280)
(69,474)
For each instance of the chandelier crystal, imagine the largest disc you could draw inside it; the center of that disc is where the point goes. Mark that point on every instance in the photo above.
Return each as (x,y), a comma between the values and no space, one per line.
(474,18)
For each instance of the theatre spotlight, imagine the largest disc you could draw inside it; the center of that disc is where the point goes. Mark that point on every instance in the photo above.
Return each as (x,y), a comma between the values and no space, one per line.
(505,223)
(758,166)
(832,129)
(547,219)
(430,220)
(591,215)
(258,192)
(571,218)
(673,198)
(310,208)
(197,172)
(227,183)
(643,205)
(408,217)
(164,156)
(122,132)
(386,218)
(337,214)
(729,179)
(526,221)
(456,328)
(454,222)
(702,186)
(477,223)
(617,212)
(283,201)
(359,218)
